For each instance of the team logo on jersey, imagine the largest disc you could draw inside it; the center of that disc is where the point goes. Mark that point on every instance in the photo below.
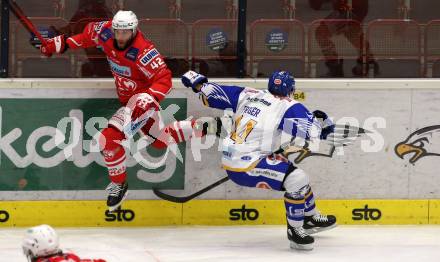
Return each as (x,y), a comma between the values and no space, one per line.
(120,70)
(132,53)
(149,56)
(125,86)
(106,34)
(420,143)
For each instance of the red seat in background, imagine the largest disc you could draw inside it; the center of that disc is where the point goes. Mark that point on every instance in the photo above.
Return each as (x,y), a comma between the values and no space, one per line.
(394,48)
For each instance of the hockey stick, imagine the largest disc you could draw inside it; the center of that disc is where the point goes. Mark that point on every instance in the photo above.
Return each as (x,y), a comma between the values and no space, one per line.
(184,199)
(341,139)
(25,21)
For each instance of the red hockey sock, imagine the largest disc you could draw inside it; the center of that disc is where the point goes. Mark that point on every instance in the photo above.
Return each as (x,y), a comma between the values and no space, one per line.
(176,132)
(114,154)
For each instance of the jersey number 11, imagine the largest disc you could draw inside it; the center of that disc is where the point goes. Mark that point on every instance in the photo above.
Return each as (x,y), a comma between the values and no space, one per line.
(242,131)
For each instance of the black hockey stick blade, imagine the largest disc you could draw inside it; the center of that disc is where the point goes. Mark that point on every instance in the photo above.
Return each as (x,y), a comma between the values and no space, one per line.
(184,199)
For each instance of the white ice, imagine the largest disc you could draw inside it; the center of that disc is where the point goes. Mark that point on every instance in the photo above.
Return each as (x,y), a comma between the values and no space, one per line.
(239,243)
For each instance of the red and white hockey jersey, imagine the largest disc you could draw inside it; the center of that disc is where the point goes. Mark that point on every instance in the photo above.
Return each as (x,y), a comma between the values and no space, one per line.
(139,68)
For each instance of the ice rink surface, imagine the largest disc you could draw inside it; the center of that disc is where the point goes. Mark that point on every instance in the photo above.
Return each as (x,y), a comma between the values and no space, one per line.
(239,243)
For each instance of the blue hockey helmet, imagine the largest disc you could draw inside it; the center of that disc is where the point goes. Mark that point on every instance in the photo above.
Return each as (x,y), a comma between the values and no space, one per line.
(281,83)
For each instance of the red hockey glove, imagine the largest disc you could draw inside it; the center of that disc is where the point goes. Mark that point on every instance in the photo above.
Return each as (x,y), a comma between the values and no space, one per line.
(54,45)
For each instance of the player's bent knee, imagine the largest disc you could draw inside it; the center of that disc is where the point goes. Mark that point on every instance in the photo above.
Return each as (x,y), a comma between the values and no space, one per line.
(142,100)
(297,182)
(109,136)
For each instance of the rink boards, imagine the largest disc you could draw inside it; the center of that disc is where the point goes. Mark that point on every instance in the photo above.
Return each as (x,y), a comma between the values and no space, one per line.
(210,212)
(38,186)
(390,162)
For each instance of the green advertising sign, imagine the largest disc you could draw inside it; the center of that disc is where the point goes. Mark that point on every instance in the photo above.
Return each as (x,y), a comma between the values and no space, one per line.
(48,144)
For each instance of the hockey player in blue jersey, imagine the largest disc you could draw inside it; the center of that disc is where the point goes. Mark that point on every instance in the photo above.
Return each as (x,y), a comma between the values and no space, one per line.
(261,119)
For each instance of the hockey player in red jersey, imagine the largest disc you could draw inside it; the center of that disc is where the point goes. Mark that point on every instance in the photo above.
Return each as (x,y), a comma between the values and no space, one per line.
(41,244)
(142,81)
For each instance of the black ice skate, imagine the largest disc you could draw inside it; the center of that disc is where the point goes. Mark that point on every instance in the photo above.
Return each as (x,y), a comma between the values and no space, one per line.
(299,239)
(116,194)
(317,223)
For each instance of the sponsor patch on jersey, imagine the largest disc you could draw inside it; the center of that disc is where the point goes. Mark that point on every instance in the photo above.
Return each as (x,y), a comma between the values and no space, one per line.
(258,100)
(273,174)
(246,158)
(227,154)
(120,70)
(106,34)
(148,57)
(132,53)
(135,126)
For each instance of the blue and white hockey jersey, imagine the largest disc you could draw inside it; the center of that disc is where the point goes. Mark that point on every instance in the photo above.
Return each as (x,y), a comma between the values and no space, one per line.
(262,122)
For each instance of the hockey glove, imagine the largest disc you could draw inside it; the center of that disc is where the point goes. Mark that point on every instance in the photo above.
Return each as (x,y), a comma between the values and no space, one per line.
(326,123)
(193,79)
(54,45)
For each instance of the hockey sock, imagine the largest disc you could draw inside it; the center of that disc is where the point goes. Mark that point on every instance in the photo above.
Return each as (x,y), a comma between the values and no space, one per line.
(294,209)
(176,132)
(114,154)
(310,207)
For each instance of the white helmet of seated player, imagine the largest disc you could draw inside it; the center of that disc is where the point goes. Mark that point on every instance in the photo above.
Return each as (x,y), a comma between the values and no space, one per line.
(125,20)
(40,241)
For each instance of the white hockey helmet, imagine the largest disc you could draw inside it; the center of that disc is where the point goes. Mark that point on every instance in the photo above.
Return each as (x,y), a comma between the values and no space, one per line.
(40,241)
(125,20)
